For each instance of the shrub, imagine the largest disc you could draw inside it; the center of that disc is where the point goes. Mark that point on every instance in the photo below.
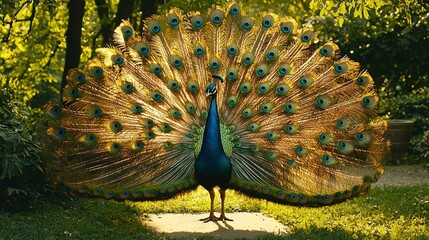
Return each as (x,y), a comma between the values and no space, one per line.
(21,174)
(414,105)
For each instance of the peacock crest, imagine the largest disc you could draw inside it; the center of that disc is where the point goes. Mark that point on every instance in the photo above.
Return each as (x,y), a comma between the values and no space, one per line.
(218,99)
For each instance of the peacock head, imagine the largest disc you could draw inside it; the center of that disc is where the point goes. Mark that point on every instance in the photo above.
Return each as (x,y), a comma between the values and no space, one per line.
(211,88)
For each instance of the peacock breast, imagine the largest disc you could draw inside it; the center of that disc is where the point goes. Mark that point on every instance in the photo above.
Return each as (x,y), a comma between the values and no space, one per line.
(213,170)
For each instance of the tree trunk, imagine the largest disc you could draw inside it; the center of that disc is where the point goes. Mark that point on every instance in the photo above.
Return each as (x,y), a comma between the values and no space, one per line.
(147,8)
(106,23)
(73,34)
(125,11)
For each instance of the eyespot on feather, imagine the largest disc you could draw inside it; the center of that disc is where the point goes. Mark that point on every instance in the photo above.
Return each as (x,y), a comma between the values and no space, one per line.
(301,151)
(253,127)
(190,108)
(137,146)
(267,21)
(154,26)
(95,112)
(175,113)
(192,86)
(369,102)
(329,49)
(135,108)
(115,126)
(198,50)
(341,67)
(245,87)
(231,73)
(248,58)
(364,80)
(262,70)
(95,71)
(156,96)
(323,102)
(232,49)
(216,17)
(214,64)
(284,69)
(142,48)
(127,87)
(176,61)
(325,139)
(290,107)
(363,138)
(197,22)
(117,59)
(288,27)
(54,111)
(247,112)
(246,23)
(282,89)
(231,101)
(75,76)
(291,129)
(307,36)
(155,68)
(56,133)
(127,31)
(264,88)
(266,108)
(343,123)
(305,82)
(88,139)
(235,9)
(114,148)
(165,127)
(272,54)
(345,147)
(147,123)
(173,19)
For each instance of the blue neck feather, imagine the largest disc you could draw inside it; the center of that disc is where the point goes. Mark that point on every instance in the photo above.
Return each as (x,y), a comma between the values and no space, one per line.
(212,144)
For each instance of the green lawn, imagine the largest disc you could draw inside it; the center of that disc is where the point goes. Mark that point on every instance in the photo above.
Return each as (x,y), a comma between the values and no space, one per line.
(390,213)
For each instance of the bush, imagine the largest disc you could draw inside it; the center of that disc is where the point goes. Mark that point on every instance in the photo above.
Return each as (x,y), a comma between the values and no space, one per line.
(21,174)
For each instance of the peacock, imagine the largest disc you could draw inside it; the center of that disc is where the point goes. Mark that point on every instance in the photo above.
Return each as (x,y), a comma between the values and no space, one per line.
(221,100)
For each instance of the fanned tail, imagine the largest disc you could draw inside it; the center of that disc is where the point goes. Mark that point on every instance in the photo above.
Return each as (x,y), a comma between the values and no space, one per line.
(297,121)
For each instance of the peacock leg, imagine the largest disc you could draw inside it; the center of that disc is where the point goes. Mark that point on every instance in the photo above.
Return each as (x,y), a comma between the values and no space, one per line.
(222,215)
(211,216)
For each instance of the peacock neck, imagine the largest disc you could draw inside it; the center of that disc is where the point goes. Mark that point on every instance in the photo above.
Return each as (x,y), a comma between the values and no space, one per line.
(212,143)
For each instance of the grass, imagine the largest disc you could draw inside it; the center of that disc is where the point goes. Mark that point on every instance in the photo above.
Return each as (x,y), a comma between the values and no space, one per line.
(389,213)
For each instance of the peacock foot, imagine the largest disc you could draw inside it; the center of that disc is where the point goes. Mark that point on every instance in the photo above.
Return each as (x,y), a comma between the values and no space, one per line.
(210,218)
(223,218)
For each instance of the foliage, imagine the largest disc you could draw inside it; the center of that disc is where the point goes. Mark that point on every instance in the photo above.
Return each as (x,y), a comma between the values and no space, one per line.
(188,5)
(420,145)
(32,48)
(20,162)
(388,213)
(341,10)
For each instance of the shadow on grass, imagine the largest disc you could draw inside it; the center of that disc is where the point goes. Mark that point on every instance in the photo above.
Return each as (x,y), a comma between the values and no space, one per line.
(70,218)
